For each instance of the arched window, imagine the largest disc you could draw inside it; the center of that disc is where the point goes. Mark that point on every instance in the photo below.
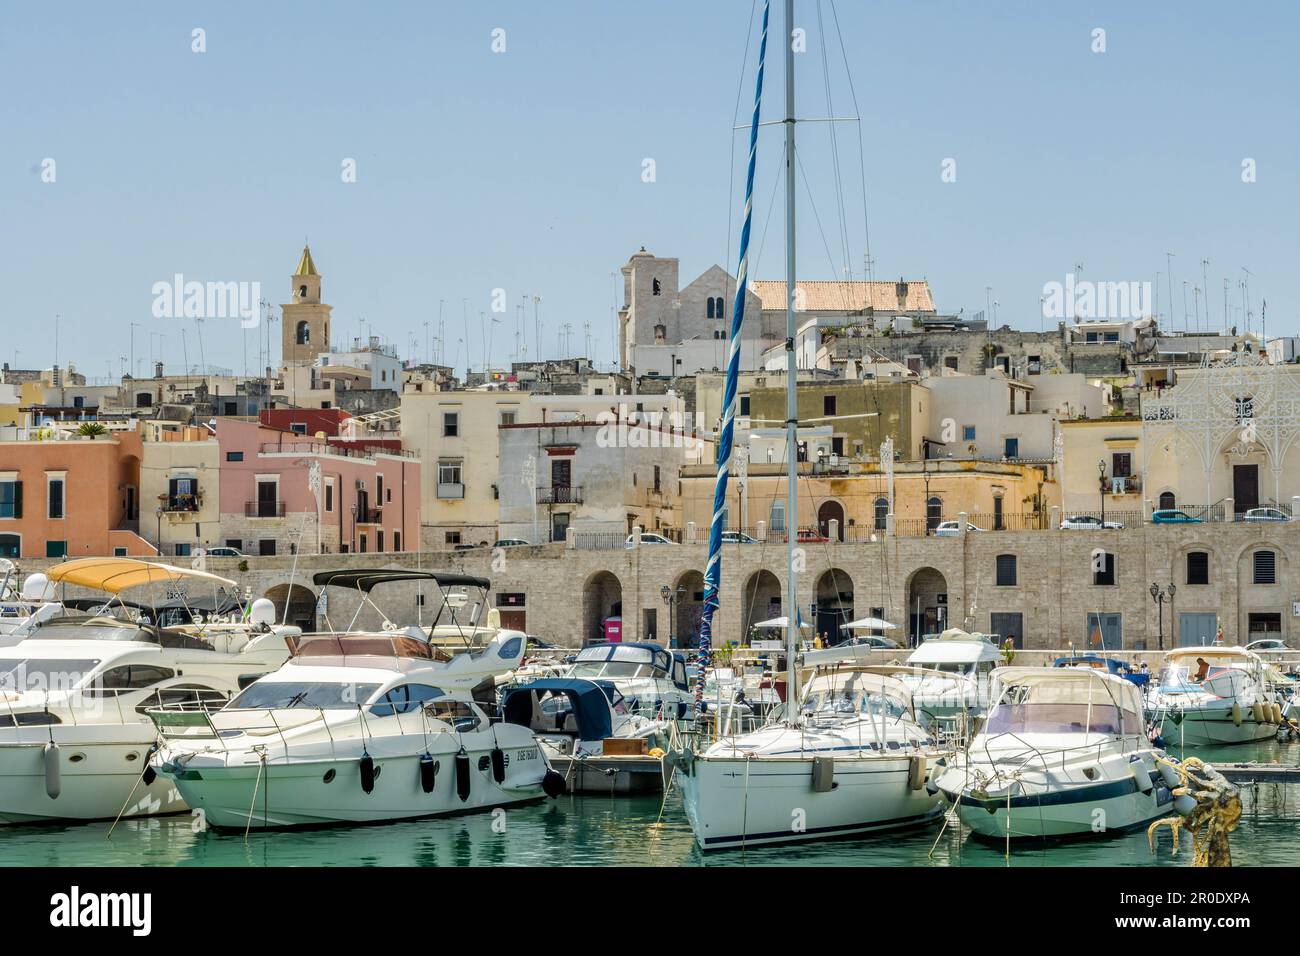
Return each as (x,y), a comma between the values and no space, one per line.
(778,515)
(304,333)
(1167,500)
(654,287)
(708,307)
(1103,568)
(302,292)
(719,311)
(882,513)
(933,514)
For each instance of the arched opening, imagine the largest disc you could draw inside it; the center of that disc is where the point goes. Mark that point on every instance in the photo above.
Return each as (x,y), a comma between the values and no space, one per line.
(689,608)
(927,604)
(933,514)
(303,335)
(1168,500)
(602,608)
(762,600)
(834,605)
(11,545)
(827,512)
(882,514)
(294,604)
(302,292)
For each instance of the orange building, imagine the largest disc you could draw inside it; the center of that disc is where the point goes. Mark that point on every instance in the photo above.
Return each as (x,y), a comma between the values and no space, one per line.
(70,496)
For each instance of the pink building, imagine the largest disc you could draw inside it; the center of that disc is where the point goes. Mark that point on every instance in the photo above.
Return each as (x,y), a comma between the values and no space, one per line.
(369,501)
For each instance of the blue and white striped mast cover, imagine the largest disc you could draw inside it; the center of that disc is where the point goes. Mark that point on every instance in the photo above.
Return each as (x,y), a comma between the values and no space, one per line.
(713,569)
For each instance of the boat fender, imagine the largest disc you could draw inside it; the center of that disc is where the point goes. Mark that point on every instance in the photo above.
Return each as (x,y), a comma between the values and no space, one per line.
(150,774)
(823,774)
(1236,714)
(498,765)
(553,784)
(1275,712)
(53,783)
(1142,774)
(1257,711)
(462,775)
(915,772)
(367,773)
(1169,775)
(1184,804)
(1163,796)
(428,772)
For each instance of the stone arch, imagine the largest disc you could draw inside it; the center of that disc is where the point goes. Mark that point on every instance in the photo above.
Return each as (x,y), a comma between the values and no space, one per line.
(602,598)
(762,600)
(689,607)
(294,604)
(927,603)
(834,596)
(828,511)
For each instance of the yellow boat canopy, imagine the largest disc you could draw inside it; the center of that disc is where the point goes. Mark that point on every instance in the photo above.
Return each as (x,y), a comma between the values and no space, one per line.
(116,575)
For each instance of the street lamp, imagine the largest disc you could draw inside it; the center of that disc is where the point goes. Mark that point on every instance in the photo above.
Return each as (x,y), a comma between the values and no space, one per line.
(1159,597)
(671,598)
(353,539)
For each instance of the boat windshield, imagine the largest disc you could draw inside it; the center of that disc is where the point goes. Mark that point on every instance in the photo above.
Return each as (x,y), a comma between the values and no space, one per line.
(849,701)
(34,673)
(1176,679)
(313,695)
(1055,718)
(591,670)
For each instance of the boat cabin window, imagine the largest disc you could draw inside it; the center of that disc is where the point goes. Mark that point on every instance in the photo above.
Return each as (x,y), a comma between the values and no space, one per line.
(183,697)
(403,699)
(127,677)
(32,673)
(592,670)
(455,712)
(1021,710)
(313,695)
(848,697)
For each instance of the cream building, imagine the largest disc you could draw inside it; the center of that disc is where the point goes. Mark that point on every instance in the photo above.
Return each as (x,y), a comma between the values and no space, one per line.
(180,506)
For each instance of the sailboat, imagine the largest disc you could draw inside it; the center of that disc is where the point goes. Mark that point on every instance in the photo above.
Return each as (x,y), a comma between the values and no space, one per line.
(848,755)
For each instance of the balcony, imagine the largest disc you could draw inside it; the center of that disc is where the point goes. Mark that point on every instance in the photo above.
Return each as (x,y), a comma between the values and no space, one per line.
(370,516)
(559,495)
(452,490)
(263,509)
(1123,486)
(180,504)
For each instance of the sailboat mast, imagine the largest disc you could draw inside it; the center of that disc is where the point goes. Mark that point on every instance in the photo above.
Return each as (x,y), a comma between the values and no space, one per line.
(791,405)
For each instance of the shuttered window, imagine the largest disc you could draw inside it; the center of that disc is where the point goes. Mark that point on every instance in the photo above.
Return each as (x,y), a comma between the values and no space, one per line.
(1265,567)
(1198,567)
(1006,570)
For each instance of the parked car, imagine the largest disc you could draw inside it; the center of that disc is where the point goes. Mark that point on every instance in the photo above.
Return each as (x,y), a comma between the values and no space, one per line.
(1264,514)
(737,537)
(951,529)
(1268,645)
(648,537)
(807,536)
(1087,523)
(1172,516)
(870,640)
(510,543)
(221,551)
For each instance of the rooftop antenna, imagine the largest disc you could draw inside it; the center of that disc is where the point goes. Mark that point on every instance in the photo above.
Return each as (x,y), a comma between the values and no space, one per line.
(1169,277)
(1205,288)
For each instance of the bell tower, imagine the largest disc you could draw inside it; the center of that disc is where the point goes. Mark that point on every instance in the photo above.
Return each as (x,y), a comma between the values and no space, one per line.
(305,320)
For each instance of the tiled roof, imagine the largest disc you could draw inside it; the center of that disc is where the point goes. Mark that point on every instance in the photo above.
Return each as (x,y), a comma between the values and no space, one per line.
(836,296)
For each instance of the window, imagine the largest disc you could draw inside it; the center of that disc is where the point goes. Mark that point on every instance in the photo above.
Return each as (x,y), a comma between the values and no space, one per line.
(236,544)
(450,424)
(744,405)
(999,524)
(882,513)
(1011,447)
(968,433)
(1168,501)
(379,540)
(1121,464)
(1265,567)
(708,307)
(298,428)
(1245,409)
(11,545)
(1034,365)
(1198,567)
(449,472)
(828,404)
(184,696)
(182,494)
(837,445)
(379,488)
(11,499)
(933,514)
(1261,625)
(458,713)
(656,484)
(1006,570)
(451,537)
(182,549)
(56,549)
(361,546)
(397,541)
(778,515)
(303,334)
(117,680)
(950,361)
(1103,568)
(234,456)
(508,418)
(266,547)
(329,494)
(56,497)
(403,699)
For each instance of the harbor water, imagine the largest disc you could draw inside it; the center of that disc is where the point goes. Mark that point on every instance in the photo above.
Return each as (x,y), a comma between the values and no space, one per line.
(630,831)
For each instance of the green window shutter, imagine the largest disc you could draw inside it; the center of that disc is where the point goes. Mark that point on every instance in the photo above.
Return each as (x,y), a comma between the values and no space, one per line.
(18,499)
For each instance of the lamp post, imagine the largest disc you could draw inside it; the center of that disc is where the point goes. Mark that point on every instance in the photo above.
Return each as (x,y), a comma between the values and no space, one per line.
(353,539)
(1159,597)
(159,512)
(671,598)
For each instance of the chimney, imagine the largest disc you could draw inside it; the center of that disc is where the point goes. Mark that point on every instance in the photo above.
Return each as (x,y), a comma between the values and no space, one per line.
(157,369)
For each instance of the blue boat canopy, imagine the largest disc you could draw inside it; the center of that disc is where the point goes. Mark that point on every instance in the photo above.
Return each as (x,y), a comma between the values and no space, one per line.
(589,702)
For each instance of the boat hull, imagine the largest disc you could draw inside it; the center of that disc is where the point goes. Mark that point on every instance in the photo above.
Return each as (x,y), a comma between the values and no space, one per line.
(732,802)
(1214,727)
(1096,810)
(297,794)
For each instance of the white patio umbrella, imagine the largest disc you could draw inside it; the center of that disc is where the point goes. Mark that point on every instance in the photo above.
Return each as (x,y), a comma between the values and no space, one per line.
(869,624)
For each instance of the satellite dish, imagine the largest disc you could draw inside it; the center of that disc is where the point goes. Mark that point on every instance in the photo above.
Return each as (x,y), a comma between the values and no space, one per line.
(38,587)
(262,611)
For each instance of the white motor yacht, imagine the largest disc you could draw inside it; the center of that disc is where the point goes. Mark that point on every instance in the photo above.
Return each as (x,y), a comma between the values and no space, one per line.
(954,673)
(1226,701)
(651,679)
(852,759)
(1064,752)
(363,727)
(74,738)
(572,717)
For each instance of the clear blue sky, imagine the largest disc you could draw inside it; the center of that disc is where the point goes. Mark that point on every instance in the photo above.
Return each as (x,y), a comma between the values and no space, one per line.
(522,170)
